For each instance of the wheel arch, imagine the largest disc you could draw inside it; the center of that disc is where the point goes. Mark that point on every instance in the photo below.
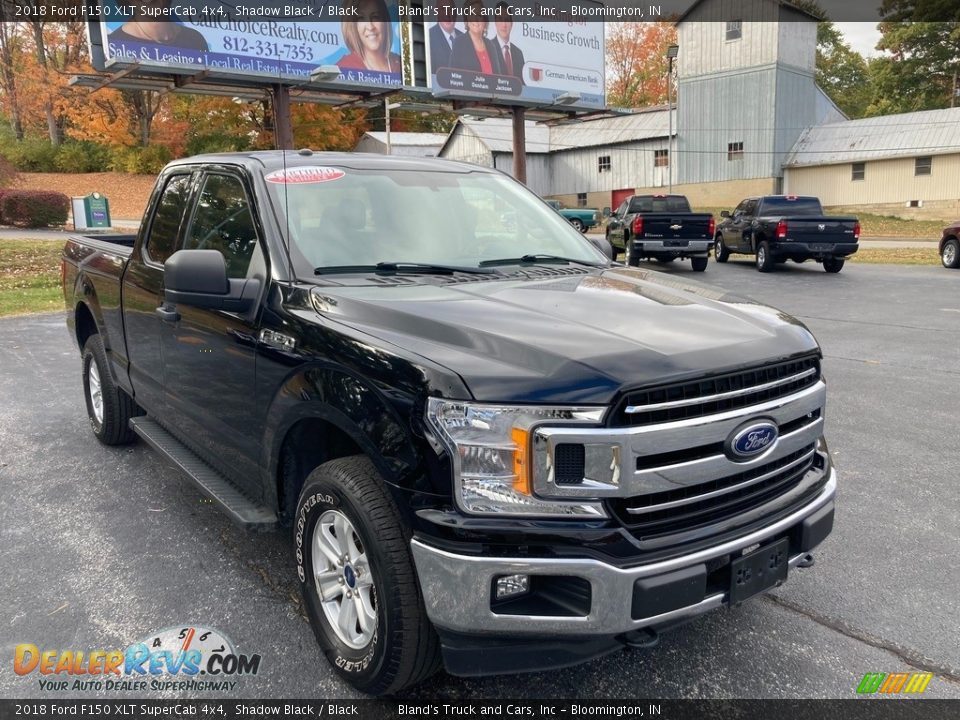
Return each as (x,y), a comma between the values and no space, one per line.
(323,414)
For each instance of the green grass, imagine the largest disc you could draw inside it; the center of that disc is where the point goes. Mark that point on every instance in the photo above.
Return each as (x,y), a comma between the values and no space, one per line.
(898,256)
(879,226)
(29,277)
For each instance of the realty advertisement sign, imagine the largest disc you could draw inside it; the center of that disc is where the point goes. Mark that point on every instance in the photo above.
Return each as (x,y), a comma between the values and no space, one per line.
(495,54)
(365,46)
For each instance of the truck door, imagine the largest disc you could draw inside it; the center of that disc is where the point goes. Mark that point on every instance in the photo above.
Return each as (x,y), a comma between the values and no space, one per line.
(209,355)
(143,287)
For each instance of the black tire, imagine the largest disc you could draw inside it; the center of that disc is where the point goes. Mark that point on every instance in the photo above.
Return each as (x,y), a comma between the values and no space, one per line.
(111,421)
(833,264)
(632,260)
(404,649)
(720,250)
(699,264)
(578,225)
(950,256)
(765,261)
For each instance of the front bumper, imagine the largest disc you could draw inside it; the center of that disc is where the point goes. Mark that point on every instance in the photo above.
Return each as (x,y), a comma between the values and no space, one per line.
(458,589)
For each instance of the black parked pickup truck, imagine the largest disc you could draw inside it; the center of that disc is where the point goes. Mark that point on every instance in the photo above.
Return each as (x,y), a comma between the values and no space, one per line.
(661,228)
(494,449)
(777,228)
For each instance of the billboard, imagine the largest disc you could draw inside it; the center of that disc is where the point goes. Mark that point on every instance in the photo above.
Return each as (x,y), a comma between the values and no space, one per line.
(475,48)
(366,49)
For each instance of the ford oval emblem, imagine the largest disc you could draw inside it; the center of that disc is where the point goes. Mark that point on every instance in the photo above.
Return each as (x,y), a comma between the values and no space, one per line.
(753,439)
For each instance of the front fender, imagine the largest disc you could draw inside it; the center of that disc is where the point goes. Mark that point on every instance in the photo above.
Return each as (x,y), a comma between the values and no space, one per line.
(384,428)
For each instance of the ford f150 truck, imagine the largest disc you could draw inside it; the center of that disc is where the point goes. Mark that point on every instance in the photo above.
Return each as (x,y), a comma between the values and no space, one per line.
(581,218)
(661,228)
(494,449)
(777,228)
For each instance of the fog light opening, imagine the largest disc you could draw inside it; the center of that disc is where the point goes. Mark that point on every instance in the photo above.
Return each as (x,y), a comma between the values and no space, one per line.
(509,586)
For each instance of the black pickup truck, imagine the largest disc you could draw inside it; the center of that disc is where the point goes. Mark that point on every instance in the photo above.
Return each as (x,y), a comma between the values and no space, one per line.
(661,228)
(777,228)
(494,449)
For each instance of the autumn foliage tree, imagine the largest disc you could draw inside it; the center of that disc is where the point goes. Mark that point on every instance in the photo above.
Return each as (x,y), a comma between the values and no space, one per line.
(637,63)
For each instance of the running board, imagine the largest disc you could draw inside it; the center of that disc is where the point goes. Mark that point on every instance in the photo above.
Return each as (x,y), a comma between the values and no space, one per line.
(237,506)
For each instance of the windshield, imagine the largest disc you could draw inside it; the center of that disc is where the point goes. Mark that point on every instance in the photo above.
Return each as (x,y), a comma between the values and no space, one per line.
(346,217)
(791,206)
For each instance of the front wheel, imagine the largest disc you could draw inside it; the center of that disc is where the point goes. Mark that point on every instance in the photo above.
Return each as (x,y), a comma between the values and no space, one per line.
(765,261)
(108,407)
(833,264)
(720,251)
(950,257)
(578,225)
(699,264)
(358,580)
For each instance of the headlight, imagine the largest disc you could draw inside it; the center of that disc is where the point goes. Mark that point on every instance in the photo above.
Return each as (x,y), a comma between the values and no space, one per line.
(491,452)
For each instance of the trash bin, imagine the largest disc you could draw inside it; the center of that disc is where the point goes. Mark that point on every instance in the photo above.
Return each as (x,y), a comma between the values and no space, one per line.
(91,212)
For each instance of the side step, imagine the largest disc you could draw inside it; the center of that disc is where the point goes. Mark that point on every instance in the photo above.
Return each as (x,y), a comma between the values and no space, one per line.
(238,507)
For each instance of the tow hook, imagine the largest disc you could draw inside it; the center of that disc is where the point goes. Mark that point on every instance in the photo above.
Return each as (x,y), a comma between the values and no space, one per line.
(806,561)
(644,638)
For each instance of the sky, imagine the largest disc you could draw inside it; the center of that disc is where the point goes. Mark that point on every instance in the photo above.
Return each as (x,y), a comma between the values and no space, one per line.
(861,36)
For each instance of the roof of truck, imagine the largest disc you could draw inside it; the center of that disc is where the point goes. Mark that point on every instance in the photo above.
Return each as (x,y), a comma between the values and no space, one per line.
(279,159)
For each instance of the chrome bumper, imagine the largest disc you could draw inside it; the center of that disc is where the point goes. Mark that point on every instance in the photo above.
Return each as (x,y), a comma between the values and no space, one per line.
(457,588)
(693,246)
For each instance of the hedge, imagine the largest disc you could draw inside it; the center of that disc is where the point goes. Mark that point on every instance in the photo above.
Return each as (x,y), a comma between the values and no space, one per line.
(33,208)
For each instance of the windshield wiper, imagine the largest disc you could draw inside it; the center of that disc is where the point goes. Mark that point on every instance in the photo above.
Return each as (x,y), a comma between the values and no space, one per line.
(536,258)
(392,268)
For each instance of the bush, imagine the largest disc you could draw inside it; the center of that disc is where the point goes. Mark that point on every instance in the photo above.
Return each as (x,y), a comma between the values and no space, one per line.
(34,208)
(82,157)
(33,155)
(144,161)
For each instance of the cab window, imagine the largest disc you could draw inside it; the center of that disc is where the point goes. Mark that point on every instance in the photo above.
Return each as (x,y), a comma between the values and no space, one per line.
(162,239)
(223,221)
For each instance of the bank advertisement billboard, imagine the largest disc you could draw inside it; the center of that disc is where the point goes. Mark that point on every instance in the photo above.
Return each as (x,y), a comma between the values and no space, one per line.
(485,49)
(365,46)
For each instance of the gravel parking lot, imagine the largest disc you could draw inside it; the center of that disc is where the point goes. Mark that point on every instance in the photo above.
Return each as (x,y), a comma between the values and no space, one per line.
(102,546)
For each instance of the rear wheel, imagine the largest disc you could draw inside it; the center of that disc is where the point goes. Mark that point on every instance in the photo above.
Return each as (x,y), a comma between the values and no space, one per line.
(699,264)
(720,251)
(833,264)
(108,407)
(765,261)
(632,259)
(950,257)
(578,224)
(358,581)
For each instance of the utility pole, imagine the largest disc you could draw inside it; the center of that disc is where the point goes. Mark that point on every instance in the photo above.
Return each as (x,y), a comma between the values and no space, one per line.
(953,96)
(386,114)
(671,56)
(519,144)
(282,123)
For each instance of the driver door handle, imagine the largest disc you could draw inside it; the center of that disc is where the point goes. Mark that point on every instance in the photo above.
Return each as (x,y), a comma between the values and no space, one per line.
(168,313)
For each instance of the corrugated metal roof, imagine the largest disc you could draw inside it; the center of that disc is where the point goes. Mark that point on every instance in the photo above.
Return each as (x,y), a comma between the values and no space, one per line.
(497,133)
(931,132)
(409,138)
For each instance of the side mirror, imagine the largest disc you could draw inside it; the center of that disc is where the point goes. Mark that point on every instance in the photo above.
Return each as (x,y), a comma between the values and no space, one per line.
(724,213)
(601,244)
(199,278)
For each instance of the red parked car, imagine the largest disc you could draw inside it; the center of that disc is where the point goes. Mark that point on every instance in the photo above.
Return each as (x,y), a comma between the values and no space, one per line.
(950,246)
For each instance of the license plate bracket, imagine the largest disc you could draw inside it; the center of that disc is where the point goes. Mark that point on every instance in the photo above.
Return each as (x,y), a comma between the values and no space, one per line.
(762,569)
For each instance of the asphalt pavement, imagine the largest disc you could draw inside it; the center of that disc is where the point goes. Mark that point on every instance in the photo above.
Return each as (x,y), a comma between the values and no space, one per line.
(103,546)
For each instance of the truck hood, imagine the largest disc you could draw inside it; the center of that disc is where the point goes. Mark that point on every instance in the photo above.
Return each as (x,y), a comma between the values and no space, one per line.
(559,335)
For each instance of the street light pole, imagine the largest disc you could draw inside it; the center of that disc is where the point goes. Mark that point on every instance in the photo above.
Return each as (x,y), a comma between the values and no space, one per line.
(671,55)
(386,105)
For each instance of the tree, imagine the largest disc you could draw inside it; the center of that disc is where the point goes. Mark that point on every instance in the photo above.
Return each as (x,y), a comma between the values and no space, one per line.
(921,68)
(841,72)
(637,63)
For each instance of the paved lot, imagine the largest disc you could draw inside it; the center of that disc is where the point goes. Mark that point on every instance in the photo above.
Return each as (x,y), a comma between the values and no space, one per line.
(102,546)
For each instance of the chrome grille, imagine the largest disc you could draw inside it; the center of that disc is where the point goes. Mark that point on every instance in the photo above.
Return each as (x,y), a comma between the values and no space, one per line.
(708,396)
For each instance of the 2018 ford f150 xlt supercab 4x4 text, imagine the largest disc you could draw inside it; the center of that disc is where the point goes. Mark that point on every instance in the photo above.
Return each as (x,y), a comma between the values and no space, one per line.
(495,449)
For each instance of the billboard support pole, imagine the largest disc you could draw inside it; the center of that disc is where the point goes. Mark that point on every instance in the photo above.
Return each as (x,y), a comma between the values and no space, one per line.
(282,122)
(519,144)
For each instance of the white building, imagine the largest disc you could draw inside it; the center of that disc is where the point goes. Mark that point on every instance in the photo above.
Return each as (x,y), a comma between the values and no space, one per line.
(401,143)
